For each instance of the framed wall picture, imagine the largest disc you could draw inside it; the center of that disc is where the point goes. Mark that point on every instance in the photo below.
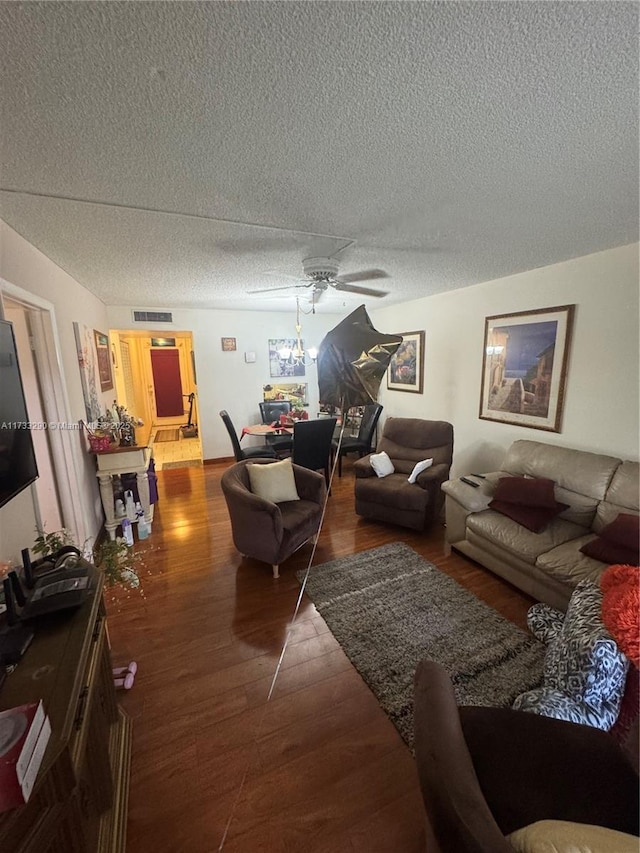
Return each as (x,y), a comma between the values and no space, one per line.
(89,375)
(406,368)
(524,367)
(228,344)
(295,392)
(103,355)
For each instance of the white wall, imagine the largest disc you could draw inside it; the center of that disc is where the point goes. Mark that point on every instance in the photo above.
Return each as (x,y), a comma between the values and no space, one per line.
(24,266)
(224,379)
(601,398)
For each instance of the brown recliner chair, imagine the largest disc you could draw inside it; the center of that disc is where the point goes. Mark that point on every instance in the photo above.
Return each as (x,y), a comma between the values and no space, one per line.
(268,531)
(487,772)
(392,498)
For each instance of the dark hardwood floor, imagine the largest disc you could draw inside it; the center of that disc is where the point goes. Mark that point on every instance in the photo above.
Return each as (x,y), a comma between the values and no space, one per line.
(217,765)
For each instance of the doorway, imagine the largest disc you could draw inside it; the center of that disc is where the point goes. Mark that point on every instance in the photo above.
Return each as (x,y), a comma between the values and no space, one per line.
(154,374)
(167,383)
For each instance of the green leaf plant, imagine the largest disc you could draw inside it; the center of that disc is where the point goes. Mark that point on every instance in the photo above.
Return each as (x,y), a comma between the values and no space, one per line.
(119,562)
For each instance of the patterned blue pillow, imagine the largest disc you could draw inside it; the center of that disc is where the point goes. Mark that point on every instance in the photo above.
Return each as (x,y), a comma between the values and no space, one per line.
(584,671)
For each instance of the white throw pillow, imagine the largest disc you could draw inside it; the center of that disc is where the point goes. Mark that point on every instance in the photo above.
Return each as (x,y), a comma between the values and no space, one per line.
(559,836)
(273,481)
(418,468)
(381,464)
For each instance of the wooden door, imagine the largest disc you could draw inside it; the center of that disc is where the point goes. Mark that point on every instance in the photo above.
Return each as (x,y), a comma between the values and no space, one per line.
(167,384)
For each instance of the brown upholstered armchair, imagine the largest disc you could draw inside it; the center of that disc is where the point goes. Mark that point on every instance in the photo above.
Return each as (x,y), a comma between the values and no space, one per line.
(267,531)
(488,772)
(392,498)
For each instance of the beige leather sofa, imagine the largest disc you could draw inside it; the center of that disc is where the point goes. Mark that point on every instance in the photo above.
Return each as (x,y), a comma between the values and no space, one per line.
(546,565)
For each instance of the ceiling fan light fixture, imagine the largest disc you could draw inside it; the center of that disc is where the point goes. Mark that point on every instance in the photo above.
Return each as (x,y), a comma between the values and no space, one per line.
(297,354)
(321,274)
(320,269)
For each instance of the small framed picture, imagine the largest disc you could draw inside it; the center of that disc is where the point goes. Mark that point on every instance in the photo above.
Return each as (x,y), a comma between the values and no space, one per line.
(406,368)
(228,344)
(104,360)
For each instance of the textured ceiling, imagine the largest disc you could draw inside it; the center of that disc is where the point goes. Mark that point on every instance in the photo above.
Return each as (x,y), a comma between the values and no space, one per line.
(184,153)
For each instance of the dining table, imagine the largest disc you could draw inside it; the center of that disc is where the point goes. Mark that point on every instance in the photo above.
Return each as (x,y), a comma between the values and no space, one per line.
(266,430)
(275,435)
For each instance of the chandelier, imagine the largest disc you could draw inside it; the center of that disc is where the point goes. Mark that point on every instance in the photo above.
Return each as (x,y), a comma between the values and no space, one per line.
(297,354)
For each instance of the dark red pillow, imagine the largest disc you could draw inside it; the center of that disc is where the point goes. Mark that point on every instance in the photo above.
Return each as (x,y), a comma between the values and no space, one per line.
(624,530)
(534,518)
(610,552)
(618,543)
(526,491)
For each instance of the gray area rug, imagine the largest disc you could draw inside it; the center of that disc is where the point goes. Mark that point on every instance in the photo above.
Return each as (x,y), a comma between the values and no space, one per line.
(389,608)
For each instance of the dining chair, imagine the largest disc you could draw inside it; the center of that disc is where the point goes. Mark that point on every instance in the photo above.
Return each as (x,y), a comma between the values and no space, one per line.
(261,451)
(362,443)
(270,411)
(312,444)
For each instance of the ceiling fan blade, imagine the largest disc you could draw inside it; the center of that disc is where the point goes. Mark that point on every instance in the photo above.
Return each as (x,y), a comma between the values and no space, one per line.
(285,287)
(363,291)
(280,274)
(363,275)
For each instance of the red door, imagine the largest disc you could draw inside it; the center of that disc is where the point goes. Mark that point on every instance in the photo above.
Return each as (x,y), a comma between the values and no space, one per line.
(165,365)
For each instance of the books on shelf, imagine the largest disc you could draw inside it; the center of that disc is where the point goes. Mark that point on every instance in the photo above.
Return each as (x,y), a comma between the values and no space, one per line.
(24,734)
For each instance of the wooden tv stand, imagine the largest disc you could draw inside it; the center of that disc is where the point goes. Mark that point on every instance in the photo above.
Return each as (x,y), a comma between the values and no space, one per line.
(79,802)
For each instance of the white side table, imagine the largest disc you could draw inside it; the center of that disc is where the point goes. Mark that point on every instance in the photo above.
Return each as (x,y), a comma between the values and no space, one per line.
(123,460)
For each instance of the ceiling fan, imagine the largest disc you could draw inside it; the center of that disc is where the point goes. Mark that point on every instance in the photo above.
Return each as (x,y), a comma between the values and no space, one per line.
(322,273)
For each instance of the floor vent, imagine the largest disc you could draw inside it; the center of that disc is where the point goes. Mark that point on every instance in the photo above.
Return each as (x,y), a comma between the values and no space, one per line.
(153,316)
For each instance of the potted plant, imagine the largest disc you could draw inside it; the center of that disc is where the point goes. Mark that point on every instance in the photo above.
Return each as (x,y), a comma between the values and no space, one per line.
(119,562)
(114,557)
(47,544)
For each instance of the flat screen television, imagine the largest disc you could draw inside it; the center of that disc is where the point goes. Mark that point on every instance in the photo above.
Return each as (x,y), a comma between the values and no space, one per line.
(18,467)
